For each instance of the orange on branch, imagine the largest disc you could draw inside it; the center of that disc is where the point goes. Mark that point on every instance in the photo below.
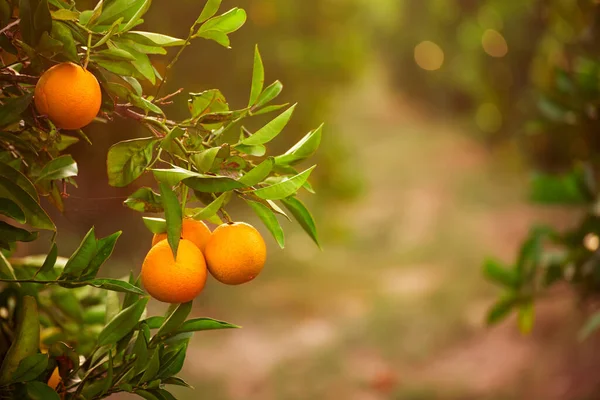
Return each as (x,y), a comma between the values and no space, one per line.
(235,253)
(195,231)
(170,280)
(69,95)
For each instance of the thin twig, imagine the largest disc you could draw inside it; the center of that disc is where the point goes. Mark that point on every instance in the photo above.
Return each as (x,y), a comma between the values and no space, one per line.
(19,78)
(87,51)
(167,97)
(7,27)
(174,60)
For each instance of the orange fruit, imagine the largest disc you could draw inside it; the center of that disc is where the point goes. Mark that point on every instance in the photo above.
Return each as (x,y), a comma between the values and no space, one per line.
(195,231)
(69,95)
(170,280)
(54,379)
(235,253)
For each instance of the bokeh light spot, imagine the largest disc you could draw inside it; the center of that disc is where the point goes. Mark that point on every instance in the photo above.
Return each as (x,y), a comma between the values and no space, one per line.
(494,44)
(429,56)
(488,118)
(591,242)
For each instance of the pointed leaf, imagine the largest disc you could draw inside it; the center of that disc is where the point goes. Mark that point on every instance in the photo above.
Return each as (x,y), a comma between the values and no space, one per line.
(205,159)
(284,188)
(82,257)
(258,173)
(258,77)
(145,200)
(303,216)
(50,260)
(306,147)
(34,213)
(12,210)
(155,225)
(59,168)
(268,218)
(175,319)
(270,93)
(173,216)
(204,324)
(30,368)
(226,23)
(152,367)
(212,184)
(122,323)
(127,160)
(270,130)
(210,9)
(212,208)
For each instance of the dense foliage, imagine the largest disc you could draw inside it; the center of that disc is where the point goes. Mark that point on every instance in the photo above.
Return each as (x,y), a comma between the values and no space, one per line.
(54,311)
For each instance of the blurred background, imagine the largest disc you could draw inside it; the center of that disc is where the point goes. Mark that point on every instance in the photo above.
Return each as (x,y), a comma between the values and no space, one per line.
(430,135)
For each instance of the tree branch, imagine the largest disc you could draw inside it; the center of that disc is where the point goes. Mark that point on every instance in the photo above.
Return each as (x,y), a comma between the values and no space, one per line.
(19,78)
(7,27)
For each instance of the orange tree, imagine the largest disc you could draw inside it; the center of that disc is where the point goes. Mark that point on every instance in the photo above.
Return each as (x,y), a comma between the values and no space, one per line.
(64,332)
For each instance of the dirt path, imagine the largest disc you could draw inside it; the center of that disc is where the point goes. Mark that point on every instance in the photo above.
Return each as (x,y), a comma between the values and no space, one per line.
(393,308)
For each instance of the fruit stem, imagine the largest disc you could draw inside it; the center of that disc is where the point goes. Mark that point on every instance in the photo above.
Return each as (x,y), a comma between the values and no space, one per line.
(226,216)
(87,51)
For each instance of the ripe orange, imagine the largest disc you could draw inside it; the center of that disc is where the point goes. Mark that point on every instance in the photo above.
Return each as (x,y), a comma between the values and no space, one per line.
(235,253)
(69,95)
(174,281)
(195,231)
(54,379)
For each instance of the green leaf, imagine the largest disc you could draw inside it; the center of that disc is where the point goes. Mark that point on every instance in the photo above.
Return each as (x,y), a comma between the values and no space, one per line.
(258,78)
(207,102)
(82,257)
(90,17)
(152,367)
(141,62)
(175,319)
(40,391)
(30,368)
(303,216)
(50,261)
(154,322)
(153,39)
(173,216)
(146,395)
(174,380)
(205,159)
(114,53)
(167,142)
(127,160)
(270,93)
(258,173)
(210,9)
(212,184)
(204,324)
(17,177)
(66,301)
(218,37)
(155,225)
(9,233)
(526,317)
(34,213)
(270,130)
(63,34)
(496,272)
(226,23)
(212,208)
(256,151)
(306,147)
(145,200)
(268,109)
(144,104)
(12,210)
(35,20)
(59,168)
(104,248)
(268,218)
(172,362)
(136,17)
(122,323)
(13,107)
(123,68)
(140,349)
(172,176)
(116,9)
(65,15)
(501,309)
(285,188)
(558,189)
